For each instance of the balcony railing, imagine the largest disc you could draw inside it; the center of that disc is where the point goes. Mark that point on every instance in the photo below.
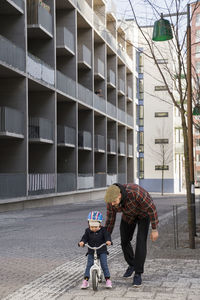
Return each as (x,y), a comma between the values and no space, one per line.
(12,185)
(40,70)
(111,178)
(99,69)
(85,95)
(40,129)
(85,181)
(121,86)
(66,84)
(111,146)
(130,150)
(121,115)
(11,54)
(129,120)
(11,122)
(111,40)
(66,182)
(85,140)
(111,79)
(99,179)
(129,92)
(99,103)
(85,9)
(66,136)
(122,149)
(39,17)
(41,183)
(100,143)
(111,110)
(84,56)
(99,24)
(121,178)
(65,40)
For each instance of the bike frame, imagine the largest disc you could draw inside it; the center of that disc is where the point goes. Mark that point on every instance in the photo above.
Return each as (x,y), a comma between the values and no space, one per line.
(96,266)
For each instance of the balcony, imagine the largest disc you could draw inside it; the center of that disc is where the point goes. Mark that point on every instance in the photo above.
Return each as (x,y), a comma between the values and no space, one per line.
(12,7)
(84,57)
(99,103)
(99,70)
(11,55)
(130,150)
(64,41)
(11,123)
(111,146)
(129,120)
(41,183)
(66,182)
(85,95)
(66,136)
(111,80)
(129,93)
(99,179)
(99,25)
(111,40)
(121,149)
(121,115)
(40,130)
(85,181)
(39,21)
(111,110)
(85,140)
(111,178)
(12,185)
(66,84)
(40,70)
(85,9)
(121,87)
(122,178)
(100,143)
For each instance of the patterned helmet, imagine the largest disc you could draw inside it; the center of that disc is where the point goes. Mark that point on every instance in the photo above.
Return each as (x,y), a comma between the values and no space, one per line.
(95,216)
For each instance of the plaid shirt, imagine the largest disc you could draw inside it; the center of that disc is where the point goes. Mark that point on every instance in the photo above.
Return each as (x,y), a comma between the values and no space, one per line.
(137,204)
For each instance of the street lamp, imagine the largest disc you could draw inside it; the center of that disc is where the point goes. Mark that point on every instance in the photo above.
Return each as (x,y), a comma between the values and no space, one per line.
(162,32)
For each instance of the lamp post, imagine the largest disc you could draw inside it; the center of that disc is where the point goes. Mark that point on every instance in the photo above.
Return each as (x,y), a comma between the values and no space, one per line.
(162,32)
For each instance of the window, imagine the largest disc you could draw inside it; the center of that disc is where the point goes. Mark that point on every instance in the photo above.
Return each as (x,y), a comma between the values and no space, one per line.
(162,61)
(160,167)
(141,141)
(197,20)
(161,141)
(197,36)
(197,51)
(160,88)
(197,142)
(198,157)
(161,114)
(178,135)
(141,167)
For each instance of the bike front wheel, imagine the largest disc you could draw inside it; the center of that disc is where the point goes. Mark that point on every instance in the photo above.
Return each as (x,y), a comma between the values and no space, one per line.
(94,280)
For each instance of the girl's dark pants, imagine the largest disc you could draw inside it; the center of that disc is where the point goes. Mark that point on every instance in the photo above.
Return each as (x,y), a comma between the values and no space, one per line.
(126,231)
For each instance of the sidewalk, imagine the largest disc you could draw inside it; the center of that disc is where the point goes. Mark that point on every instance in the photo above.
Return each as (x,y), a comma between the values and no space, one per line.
(169,273)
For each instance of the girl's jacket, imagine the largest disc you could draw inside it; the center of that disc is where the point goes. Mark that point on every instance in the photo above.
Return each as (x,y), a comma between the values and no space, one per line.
(96,239)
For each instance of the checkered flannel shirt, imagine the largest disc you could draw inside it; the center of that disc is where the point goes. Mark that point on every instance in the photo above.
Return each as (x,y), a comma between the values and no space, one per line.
(138,204)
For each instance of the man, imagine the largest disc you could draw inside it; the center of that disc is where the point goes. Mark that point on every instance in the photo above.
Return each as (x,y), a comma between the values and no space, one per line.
(137,208)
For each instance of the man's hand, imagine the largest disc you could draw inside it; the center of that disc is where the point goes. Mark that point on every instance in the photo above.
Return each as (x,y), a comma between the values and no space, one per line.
(81,244)
(108,243)
(154,235)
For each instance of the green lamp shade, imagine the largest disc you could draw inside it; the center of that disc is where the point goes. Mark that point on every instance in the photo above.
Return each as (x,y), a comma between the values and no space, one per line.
(162,30)
(196,110)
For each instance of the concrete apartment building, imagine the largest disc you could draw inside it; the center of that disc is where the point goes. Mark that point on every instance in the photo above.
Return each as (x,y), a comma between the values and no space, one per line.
(68,79)
(160,140)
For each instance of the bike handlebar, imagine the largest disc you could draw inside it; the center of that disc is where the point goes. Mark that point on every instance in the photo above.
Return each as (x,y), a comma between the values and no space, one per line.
(95,248)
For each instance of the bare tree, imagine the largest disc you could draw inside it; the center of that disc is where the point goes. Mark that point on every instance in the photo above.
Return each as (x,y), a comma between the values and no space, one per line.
(175,78)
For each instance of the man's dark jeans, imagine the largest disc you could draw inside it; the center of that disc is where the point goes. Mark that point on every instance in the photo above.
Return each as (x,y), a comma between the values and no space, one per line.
(126,231)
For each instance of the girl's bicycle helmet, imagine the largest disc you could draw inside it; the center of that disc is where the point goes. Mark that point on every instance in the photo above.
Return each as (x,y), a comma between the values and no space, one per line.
(95,216)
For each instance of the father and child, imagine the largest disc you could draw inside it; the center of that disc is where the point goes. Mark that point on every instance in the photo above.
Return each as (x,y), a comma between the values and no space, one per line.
(138,209)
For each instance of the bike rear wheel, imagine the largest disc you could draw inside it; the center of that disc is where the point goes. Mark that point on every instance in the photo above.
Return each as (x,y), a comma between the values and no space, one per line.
(94,280)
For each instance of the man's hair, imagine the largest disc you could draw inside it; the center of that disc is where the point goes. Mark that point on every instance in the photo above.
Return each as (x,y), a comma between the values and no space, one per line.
(112,193)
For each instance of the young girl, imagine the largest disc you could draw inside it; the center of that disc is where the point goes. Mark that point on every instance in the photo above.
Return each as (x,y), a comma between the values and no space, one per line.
(95,236)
